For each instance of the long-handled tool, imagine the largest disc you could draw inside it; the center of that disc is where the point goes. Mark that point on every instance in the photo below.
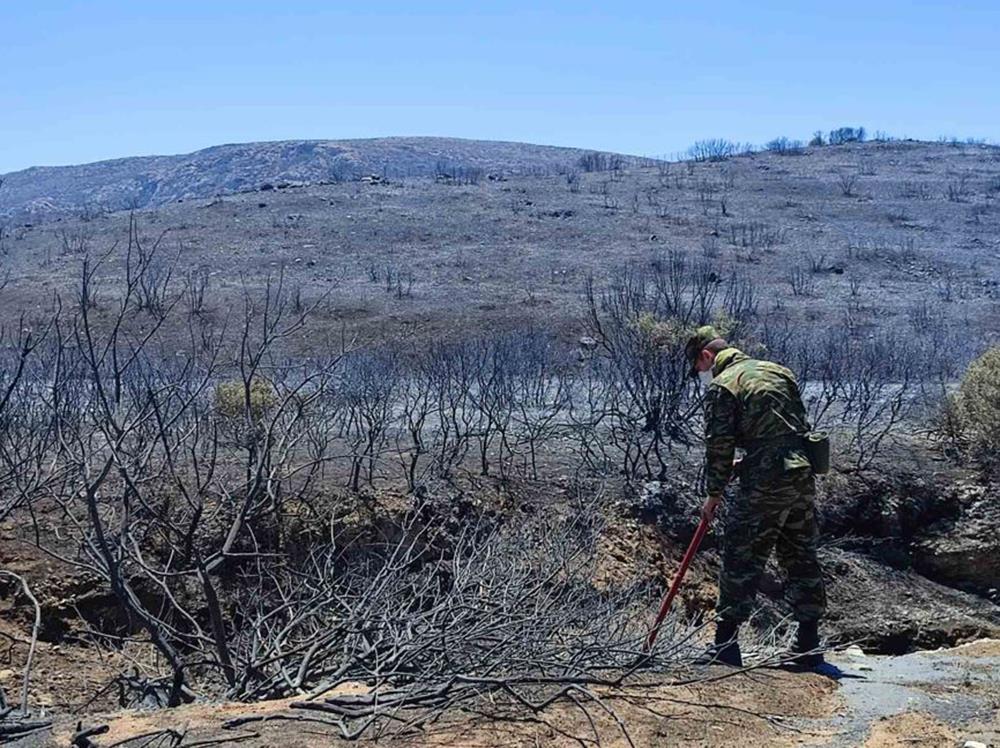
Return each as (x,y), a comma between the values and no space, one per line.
(672,592)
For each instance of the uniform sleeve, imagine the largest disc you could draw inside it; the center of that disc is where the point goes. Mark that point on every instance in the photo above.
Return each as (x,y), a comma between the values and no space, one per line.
(720,438)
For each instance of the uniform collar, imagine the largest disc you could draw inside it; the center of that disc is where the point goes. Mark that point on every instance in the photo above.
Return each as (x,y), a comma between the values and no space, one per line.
(726,358)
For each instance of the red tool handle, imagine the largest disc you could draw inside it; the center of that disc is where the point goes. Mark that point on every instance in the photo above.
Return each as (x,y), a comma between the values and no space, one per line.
(672,592)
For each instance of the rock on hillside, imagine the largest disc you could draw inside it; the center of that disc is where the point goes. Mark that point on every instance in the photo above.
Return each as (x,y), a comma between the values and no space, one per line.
(894,611)
(156,180)
(964,551)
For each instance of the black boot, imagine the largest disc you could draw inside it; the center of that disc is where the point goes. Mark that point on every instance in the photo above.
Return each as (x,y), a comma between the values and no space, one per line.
(805,649)
(726,650)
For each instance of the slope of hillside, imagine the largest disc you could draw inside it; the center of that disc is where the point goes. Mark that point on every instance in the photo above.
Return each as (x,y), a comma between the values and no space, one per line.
(874,233)
(156,180)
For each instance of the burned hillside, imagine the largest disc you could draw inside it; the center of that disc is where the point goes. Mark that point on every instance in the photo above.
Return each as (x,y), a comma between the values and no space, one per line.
(399,448)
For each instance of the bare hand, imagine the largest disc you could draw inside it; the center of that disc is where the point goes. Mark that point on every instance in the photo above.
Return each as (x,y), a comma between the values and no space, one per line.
(709,507)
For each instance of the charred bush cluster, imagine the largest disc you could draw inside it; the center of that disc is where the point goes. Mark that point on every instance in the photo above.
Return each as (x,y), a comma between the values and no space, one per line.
(200,470)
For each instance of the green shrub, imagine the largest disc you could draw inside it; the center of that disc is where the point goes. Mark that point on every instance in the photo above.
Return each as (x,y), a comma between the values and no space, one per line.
(661,333)
(673,332)
(230,398)
(977,408)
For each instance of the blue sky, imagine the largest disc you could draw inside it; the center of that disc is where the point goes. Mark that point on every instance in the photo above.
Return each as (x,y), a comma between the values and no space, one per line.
(82,81)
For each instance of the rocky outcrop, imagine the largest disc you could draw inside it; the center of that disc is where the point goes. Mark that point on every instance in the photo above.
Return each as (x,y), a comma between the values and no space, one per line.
(964,552)
(894,611)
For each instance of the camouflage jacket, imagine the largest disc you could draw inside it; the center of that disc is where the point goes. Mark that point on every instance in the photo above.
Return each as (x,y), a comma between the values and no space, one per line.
(756,406)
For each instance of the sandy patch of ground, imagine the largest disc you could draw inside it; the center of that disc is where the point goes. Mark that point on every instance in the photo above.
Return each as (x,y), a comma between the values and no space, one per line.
(910,730)
(765,707)
(978,648)
(63,677)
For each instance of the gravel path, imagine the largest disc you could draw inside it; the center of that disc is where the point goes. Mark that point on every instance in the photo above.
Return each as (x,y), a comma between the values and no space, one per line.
(959,687)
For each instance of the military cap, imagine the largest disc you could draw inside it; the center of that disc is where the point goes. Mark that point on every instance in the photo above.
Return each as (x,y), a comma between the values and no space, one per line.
(697,342)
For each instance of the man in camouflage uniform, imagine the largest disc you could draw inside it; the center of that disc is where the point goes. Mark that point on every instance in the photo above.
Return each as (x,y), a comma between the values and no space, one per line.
(756,406)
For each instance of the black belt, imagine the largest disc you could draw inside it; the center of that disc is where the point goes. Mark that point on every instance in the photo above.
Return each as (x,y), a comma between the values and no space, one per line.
(782,440)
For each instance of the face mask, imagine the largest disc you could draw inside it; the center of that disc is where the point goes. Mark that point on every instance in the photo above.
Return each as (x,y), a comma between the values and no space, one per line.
(705,377)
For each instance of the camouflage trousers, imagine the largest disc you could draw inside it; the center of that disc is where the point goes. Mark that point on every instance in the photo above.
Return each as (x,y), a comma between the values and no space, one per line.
(778,515)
